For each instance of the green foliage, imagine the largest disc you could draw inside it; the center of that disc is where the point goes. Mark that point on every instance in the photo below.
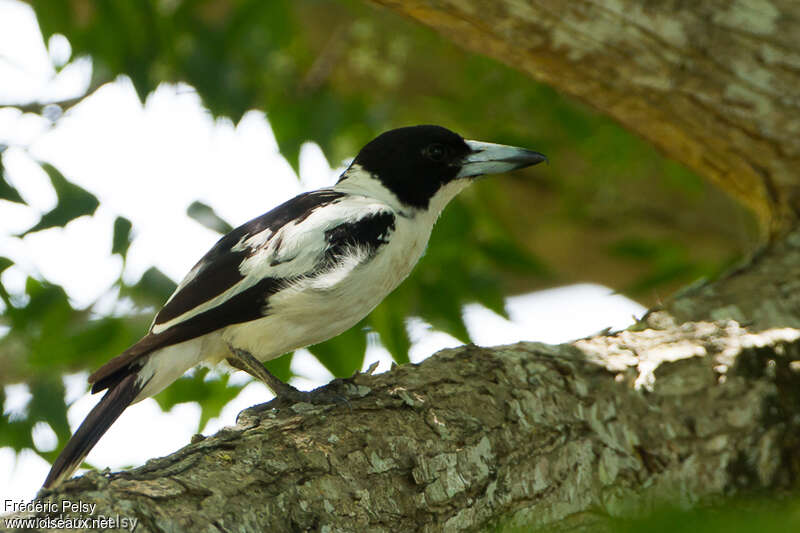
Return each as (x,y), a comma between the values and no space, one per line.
(50,334)
(47,405)
(280,367)
(344,354)
(389,321)
(73,202)
(205,215)
(744,516)
(212,392)
(122,236)
(7,192)
(152,289)
(5,262)
(16,430)
(671,262)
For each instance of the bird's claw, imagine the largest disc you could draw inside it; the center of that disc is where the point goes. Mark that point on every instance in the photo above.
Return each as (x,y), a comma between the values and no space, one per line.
(333,393)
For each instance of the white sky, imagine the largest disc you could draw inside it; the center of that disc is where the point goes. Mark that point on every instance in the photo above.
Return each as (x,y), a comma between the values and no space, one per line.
(148,163)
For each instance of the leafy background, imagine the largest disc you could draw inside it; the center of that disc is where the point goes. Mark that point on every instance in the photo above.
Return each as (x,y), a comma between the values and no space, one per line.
(608,209)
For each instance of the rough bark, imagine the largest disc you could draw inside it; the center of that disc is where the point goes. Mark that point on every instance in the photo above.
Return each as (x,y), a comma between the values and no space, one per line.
(529,434)
(715,85)
(763,293)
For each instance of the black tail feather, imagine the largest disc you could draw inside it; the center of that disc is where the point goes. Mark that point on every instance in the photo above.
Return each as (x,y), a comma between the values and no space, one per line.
(107,410)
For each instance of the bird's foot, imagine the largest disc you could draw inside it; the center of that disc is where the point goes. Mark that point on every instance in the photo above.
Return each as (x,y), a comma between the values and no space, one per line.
(334,393)
(337,392)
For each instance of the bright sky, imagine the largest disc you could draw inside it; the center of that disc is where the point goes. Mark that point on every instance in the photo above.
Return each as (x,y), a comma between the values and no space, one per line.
(148,163)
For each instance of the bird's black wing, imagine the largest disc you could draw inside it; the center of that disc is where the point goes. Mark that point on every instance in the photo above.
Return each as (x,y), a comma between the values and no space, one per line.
(218,291)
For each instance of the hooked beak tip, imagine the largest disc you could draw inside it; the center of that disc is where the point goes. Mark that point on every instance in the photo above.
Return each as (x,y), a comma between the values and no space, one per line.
(528,158)
(488,158)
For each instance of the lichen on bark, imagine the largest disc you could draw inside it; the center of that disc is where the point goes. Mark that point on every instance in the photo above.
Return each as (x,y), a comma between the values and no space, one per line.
(521,435)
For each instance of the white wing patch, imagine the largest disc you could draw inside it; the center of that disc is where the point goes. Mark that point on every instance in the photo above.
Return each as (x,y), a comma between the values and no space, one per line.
(293,251)
(296,248)
(253,241)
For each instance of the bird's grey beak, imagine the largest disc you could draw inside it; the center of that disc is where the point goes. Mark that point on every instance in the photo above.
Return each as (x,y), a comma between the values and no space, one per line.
(490,158)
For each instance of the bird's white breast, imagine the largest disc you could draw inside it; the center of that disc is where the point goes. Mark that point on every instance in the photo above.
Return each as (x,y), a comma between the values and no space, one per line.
(315,309)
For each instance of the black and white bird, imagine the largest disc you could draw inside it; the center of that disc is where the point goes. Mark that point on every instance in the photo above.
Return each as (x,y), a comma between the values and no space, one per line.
(298,275)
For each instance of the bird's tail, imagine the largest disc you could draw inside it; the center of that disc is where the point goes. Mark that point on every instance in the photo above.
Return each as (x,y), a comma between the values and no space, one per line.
(107,410)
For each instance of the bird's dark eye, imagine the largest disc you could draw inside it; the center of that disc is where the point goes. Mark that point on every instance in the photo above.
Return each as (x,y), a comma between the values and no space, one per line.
(436,152)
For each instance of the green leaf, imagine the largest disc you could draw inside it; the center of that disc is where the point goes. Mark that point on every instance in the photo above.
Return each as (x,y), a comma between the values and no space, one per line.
(154,288)
(509,255)
(289,134)
(44,324)
(206,216)
(488,292)
(122,236)
(343,355)
(281,366)
(5,262)
(7,192)
(322,116)
(16,433)
(93,342)
(47,404)
(46,302)
(73,202)
(664,273)
(668,262)
(443,309)
(388,320)
(212,394)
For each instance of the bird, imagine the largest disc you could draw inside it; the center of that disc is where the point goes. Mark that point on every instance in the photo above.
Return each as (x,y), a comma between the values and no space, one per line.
(297,275)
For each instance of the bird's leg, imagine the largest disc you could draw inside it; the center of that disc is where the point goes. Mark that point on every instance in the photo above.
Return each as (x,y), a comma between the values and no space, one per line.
(244,360)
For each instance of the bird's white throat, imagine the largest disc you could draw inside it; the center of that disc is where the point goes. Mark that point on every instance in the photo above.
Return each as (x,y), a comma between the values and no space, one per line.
(356,180)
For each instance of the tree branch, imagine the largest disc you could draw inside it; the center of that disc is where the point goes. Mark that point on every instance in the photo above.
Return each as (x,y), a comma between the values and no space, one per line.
(521,435)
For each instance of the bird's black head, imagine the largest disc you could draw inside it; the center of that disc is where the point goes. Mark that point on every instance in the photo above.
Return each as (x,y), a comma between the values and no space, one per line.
(416,162)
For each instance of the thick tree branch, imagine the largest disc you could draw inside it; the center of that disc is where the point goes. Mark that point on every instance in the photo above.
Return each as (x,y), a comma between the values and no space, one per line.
(764,293)
(715,85)
(526,434)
